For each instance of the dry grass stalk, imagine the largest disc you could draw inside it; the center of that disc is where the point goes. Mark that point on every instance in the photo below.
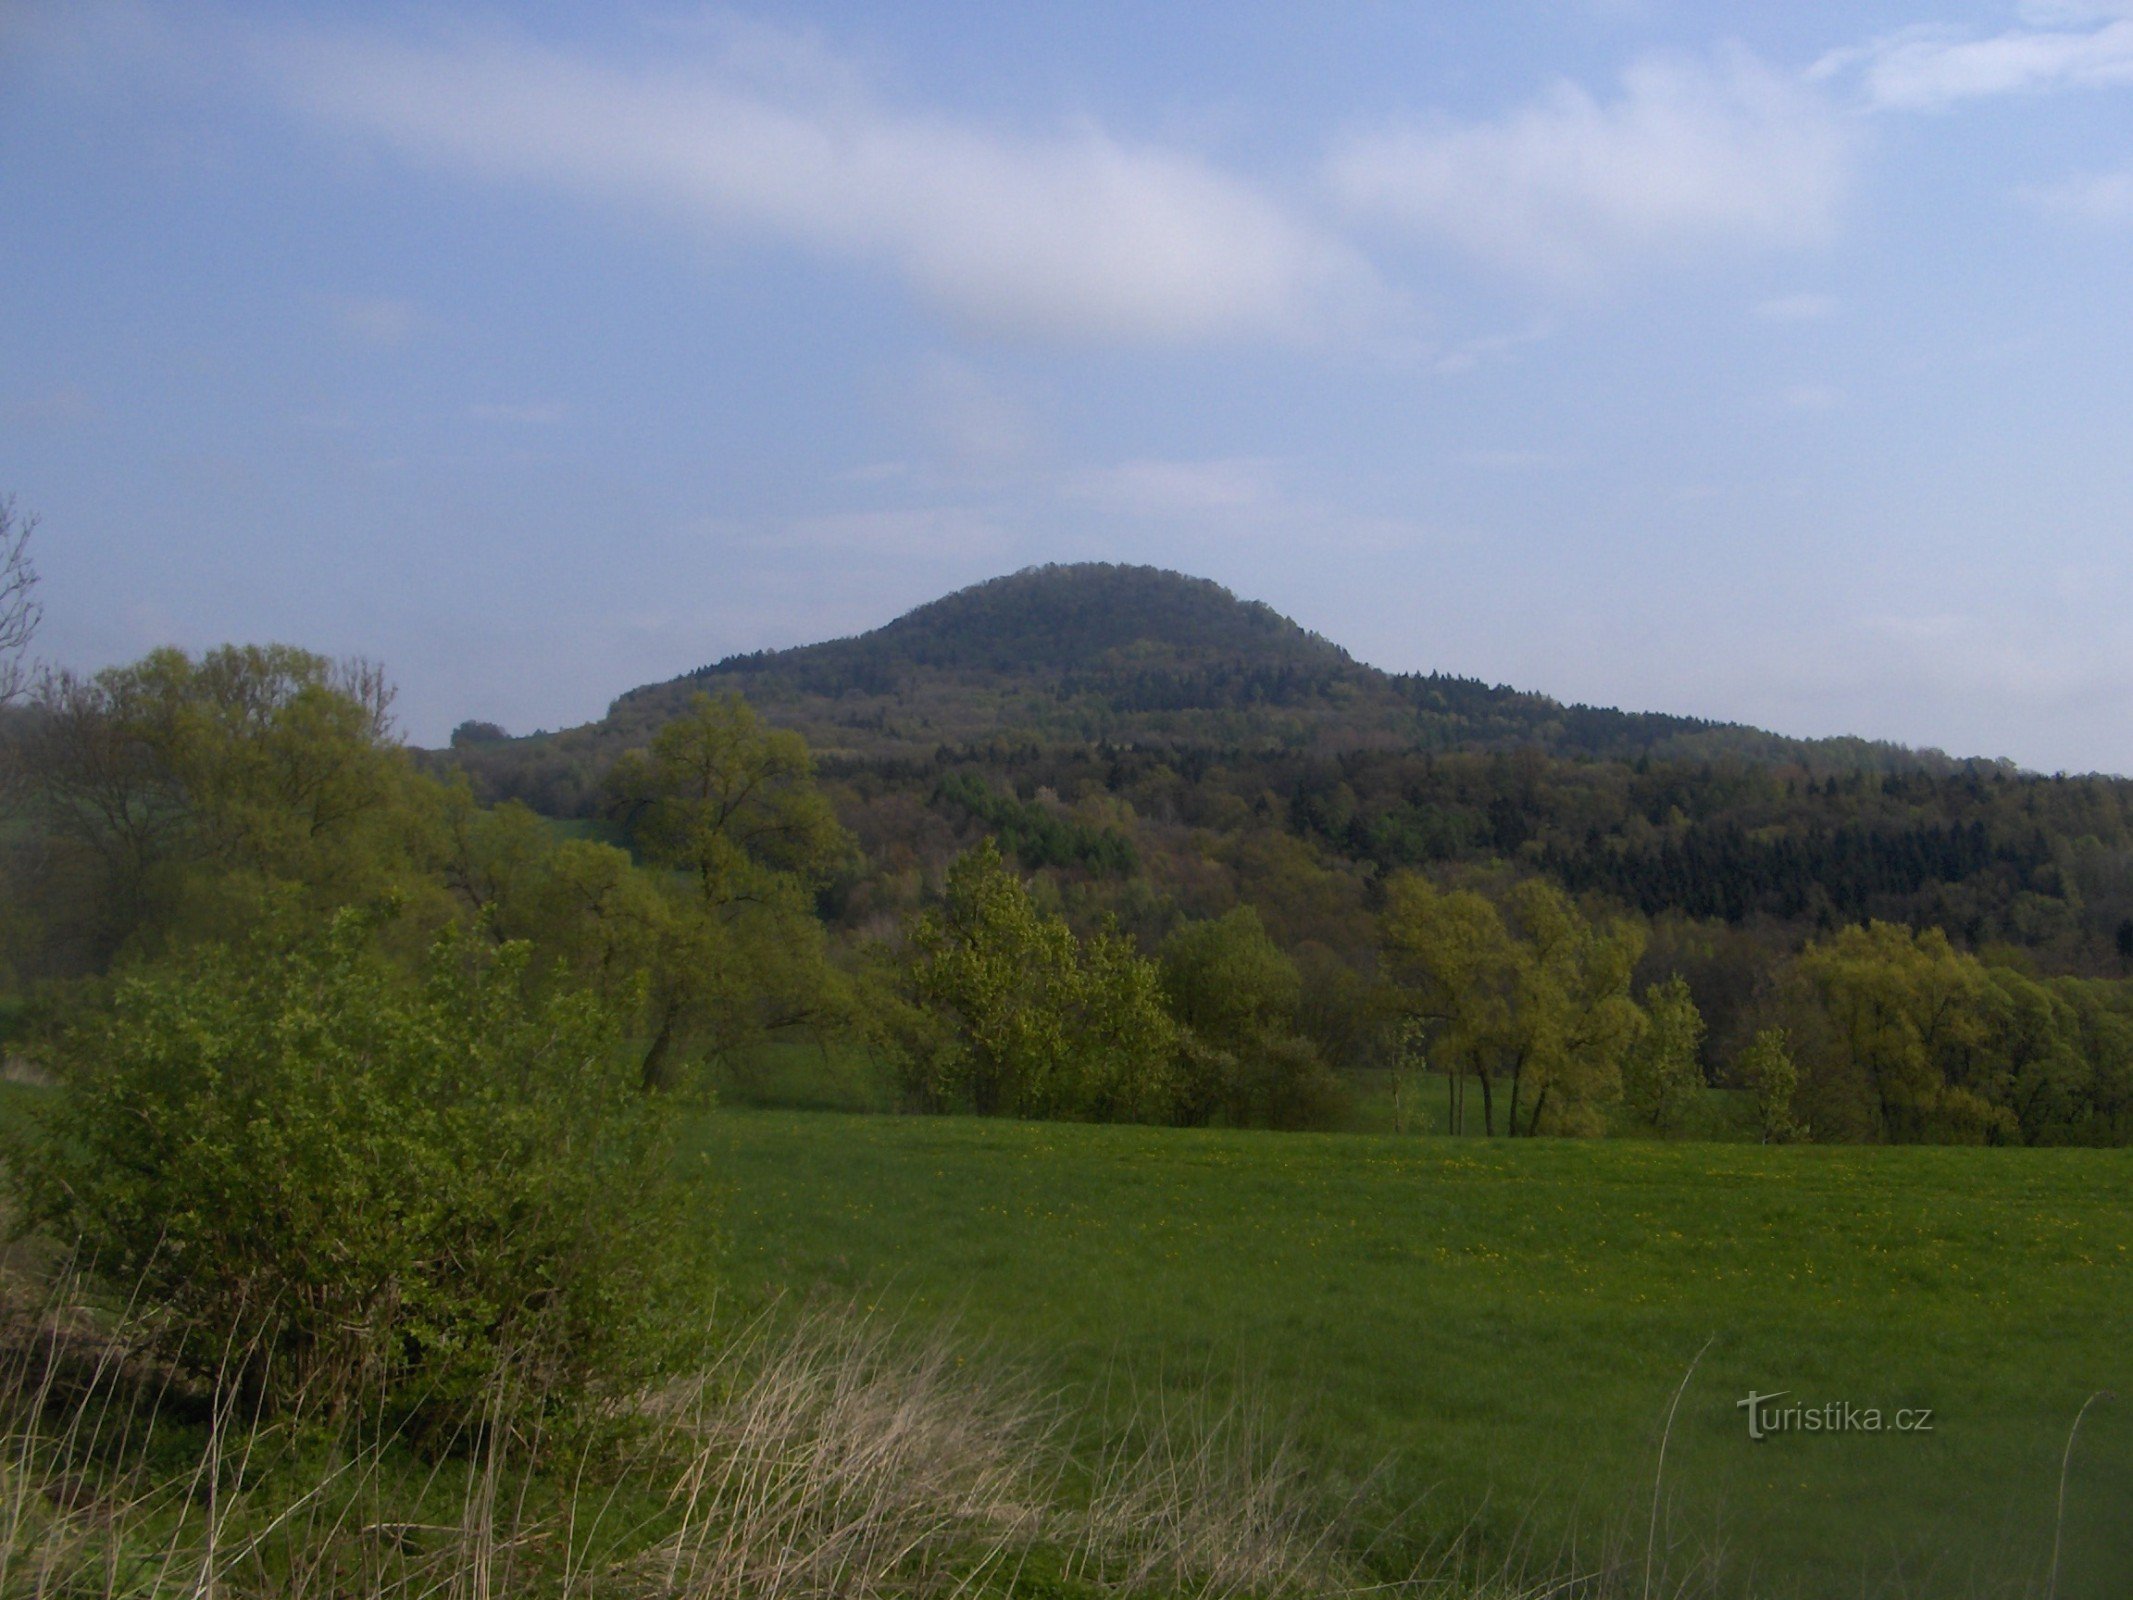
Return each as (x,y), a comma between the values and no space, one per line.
(832,1459)
(1205,1500)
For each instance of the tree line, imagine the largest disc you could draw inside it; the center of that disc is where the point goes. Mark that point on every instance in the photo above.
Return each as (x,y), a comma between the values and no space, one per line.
(1004,952)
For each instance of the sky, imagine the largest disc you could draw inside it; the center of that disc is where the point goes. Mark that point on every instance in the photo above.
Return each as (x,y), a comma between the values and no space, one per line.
(1765,362)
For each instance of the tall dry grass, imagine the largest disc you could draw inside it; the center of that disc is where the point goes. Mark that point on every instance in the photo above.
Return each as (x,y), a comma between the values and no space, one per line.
(825,1456)
(1206,1498)
(831,1458)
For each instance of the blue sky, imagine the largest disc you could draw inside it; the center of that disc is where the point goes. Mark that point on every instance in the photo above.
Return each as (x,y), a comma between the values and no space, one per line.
(1767,362)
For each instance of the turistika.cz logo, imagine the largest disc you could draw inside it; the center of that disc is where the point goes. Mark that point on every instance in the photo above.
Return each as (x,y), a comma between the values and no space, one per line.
(1766,1417)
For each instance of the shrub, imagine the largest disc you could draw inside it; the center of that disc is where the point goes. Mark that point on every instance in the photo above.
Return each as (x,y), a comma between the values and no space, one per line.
(350,1188)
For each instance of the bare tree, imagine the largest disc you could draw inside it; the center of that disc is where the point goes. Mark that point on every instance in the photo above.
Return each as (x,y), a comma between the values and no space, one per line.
(19,610)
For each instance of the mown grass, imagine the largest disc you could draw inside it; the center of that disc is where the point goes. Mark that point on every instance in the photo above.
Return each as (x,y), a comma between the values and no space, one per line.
(1496,1328)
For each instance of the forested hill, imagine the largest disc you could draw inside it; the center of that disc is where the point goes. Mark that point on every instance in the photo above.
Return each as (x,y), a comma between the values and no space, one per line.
(1099,653)
(1168,751)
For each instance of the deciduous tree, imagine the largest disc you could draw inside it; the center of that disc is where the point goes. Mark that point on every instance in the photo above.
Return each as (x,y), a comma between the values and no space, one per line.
(733,806)
(1662,1074)
(346,1188)
(1766,1069)
(1533,994)
(1027,1020)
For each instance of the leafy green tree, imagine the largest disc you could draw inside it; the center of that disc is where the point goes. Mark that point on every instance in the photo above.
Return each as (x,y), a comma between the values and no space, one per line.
(1453,963)
(1766,1069)
(1532,993)
(1014,1016)
(1227,980)
(1235,994)
(1003,973)
(1122,1035)
(353,1188)
(1911,1054)
(733,803)
(1662,1074)
(1572,1020)
(733,806)
(178,798)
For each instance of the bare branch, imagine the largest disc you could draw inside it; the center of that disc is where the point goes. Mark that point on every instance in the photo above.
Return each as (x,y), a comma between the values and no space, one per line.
(19,610)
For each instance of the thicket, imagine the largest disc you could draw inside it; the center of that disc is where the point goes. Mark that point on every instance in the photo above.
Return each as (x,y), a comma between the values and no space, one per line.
(344,1186)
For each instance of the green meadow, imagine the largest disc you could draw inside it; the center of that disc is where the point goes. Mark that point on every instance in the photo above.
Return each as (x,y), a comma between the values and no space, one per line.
(1485,1336)
(839,1076)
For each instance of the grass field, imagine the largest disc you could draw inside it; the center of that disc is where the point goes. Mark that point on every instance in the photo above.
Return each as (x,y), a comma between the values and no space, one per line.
(799,1075)
(1500,1326)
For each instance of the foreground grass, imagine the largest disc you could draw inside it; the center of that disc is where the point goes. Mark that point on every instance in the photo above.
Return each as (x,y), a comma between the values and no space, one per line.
(1499,1326)
(820,1457)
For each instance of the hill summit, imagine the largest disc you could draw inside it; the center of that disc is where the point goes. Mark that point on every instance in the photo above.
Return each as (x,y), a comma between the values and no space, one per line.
(1097,654)
(1089,616)
(1100,652)
(1092,650)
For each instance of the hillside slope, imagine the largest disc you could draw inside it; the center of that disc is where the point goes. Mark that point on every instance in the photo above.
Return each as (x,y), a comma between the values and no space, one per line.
(1174,751)
(1137,656)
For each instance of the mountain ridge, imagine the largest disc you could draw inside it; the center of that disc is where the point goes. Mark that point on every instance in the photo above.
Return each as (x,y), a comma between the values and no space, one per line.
(1100,653)
(1133,653)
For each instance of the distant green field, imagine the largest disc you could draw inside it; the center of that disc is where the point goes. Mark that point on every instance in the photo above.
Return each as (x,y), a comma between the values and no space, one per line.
(803,1075)
(1417,1103)
(1500,1325)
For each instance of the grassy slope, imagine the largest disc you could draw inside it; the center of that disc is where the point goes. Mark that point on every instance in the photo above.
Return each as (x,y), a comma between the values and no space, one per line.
(1508,1321)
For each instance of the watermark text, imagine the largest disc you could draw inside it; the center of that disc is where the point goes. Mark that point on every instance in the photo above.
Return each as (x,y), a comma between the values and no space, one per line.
(1768,1416)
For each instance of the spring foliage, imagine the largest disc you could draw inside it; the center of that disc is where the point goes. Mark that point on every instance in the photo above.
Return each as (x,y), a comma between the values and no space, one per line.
(1662,1075)
(1531,994)
(1008,1013)
(361,1189)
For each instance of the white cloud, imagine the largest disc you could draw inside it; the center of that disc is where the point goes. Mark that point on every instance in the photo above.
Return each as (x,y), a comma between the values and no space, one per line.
(1926,629)
(1176,510)
(1690,156)
(970,416)
(1072,233)
(1796,308)
(2098,197)
(1929,68)
(1519,460)
(1472,354)
(876,472)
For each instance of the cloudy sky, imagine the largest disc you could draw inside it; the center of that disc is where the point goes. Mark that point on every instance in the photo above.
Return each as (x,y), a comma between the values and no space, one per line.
(1759,361)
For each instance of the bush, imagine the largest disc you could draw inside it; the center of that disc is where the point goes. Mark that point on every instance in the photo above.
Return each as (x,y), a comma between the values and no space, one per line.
(350,1189)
